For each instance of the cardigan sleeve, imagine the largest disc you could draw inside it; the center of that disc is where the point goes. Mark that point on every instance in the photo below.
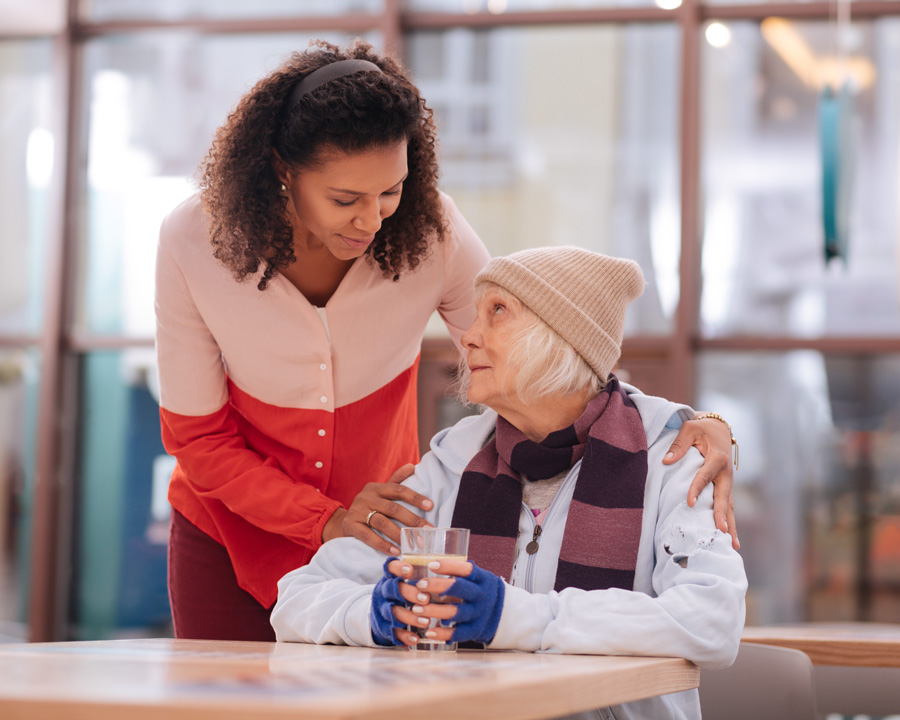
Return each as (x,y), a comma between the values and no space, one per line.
(218,465)
(205,439)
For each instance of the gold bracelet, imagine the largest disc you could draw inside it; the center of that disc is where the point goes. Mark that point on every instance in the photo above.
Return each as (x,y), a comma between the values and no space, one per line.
(734,443)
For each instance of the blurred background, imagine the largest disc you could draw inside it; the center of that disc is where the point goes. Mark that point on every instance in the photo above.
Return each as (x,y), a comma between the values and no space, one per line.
(697,137)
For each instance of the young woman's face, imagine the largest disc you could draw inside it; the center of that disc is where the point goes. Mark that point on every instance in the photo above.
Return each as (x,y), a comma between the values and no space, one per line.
(341,204)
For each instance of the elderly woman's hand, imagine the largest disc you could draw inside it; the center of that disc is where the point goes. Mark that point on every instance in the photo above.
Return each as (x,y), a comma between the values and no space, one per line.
(477,597)
(475,608)
(713,440)
(373,508)
(389,605)
(397,605)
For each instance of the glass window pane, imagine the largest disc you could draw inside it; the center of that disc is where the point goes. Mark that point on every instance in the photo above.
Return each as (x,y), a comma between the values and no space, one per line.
(19,373)
(155,102)
(101,10)
(539,147)
(498,7)
(122,513)
(763,258)
(33,17)
(26,164)
(817,495)
(753,2)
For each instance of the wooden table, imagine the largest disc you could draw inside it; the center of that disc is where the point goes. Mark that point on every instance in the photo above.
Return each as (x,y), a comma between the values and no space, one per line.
(853,644)
(192,679)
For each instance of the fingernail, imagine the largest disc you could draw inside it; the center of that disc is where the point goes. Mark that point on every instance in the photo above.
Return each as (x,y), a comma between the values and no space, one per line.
(669,455)
(413,639)
(418,609)
(422,584)
(430,634)
(427,504)
(434,565)
(424,621)
(395,551)
(422,597)
(694,499)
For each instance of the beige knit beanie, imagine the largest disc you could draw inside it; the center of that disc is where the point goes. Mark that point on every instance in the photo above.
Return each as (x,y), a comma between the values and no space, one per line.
(580,294)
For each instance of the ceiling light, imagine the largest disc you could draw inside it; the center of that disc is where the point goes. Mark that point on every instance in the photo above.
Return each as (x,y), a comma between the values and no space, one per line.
(718,35)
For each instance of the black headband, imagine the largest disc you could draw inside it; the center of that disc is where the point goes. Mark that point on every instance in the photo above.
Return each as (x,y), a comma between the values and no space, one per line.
(325,74)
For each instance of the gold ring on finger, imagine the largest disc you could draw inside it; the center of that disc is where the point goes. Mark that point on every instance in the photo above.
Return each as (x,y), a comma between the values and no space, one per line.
(369,518)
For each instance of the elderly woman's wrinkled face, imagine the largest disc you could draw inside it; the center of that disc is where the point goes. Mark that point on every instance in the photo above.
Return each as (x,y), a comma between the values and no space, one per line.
(487,343)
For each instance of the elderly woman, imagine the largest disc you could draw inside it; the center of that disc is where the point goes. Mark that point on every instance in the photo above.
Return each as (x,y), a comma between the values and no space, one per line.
(581,541)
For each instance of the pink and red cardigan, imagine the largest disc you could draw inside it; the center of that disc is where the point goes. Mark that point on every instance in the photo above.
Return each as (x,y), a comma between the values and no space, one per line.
(279,412)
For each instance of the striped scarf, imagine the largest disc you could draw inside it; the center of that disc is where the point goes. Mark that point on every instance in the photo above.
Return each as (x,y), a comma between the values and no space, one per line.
(603,528)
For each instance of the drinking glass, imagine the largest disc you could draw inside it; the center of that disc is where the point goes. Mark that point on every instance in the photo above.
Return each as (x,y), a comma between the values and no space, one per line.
(420,546)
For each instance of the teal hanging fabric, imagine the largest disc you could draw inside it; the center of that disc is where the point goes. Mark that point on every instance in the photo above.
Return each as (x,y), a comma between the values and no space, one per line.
(836,147)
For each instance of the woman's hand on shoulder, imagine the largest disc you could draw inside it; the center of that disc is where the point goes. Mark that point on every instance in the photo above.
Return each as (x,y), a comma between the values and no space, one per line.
(713,438)
(373,508)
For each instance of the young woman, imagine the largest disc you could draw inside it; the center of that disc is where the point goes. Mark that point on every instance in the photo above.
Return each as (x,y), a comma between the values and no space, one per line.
(292,296)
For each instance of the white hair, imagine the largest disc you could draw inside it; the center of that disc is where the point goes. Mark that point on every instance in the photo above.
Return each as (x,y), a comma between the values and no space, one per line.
(544,363)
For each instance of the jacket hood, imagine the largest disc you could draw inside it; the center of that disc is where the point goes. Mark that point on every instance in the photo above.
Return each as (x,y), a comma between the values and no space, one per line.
(457,445)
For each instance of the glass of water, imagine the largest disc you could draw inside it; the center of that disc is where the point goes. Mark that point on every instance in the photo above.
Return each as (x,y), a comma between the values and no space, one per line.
(419,547)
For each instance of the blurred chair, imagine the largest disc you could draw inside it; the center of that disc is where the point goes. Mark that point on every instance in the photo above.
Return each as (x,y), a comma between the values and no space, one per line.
(765,682)
(851,691)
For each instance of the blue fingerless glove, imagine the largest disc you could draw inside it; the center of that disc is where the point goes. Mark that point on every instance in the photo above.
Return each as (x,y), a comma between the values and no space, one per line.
(385,595)
(482,604)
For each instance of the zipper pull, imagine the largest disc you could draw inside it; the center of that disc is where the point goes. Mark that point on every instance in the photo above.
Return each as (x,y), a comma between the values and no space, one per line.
(532,547)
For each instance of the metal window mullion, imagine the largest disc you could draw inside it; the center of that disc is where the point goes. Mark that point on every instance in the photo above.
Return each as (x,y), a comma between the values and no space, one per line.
(392,30)
(683,358)
(47,588)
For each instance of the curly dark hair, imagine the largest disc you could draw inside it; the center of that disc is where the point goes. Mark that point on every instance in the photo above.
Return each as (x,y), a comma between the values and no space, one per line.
(240,189)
